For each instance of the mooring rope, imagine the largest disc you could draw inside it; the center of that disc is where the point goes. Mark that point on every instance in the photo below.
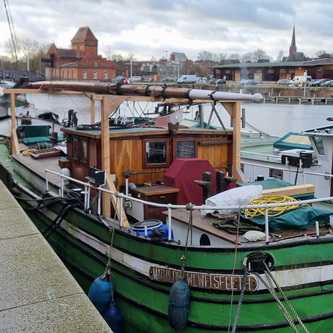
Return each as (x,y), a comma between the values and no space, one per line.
(189,207)
(271,289)
(240,301)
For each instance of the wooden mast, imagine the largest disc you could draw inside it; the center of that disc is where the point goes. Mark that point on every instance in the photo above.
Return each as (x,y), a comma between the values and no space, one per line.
(15,149)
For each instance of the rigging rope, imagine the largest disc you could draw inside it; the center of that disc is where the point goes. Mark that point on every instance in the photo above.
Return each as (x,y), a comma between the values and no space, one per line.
(233,273)
(240,301)
(249,212)
(189,207)
(270,287)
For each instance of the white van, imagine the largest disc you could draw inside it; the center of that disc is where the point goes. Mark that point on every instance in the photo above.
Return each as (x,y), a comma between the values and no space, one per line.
(299,80)
(187,79)
(136,78)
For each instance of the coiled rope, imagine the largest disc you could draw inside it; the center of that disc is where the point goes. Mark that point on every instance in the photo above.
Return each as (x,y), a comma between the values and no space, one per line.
(249,212)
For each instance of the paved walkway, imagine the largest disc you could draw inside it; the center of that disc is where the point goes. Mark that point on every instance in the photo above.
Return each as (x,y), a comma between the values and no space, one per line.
(37,292)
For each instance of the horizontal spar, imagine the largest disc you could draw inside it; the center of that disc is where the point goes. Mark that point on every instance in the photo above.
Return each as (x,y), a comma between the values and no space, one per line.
(145,90)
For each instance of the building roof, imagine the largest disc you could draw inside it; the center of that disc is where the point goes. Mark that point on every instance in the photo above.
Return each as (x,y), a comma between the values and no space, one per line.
(84,33)
(69,65)
(70,53)
(307,63)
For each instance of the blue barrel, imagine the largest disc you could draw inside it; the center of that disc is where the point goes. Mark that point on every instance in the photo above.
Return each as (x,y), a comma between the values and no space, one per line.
(149,226)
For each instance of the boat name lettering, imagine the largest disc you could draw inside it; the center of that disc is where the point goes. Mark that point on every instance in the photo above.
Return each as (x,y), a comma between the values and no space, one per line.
(203,280)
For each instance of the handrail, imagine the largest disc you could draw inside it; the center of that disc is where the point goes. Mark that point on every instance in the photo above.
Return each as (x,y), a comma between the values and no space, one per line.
(304,171)
(169,207)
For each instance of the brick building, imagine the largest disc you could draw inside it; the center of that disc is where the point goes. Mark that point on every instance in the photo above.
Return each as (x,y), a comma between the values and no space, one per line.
(81,62)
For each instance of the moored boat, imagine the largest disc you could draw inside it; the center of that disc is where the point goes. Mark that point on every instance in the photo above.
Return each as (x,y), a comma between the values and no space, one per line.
(158,207)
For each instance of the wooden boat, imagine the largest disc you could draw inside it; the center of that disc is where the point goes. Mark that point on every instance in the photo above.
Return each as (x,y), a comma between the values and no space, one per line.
(147,206)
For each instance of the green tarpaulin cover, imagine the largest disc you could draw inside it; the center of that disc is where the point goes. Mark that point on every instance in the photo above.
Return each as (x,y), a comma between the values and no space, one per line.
(300,218)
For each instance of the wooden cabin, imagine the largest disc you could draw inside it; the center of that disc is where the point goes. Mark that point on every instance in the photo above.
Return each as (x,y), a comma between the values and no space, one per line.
(144,154)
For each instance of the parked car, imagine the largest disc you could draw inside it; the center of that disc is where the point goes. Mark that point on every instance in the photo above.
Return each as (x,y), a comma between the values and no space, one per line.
(317,83)
(249,82)
(136,78)
(220,81)
(299,80)
(327,83)
(187,79)
(202,80)
(283,82)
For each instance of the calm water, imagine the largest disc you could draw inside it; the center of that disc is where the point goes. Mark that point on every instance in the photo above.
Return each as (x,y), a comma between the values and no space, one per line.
(279,119)
(276,119)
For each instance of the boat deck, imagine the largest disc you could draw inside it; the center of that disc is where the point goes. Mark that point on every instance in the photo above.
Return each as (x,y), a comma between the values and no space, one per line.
(205,223)
(50,163)
(38,293)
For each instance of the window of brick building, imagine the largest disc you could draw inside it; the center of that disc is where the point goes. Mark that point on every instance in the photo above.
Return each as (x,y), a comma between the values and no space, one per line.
(106,75)
(84,75)
(95,75)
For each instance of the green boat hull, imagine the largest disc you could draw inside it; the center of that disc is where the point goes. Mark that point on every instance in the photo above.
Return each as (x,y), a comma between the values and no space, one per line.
(144,302)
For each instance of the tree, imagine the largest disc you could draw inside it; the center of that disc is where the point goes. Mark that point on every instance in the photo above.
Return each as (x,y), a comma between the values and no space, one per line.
(234,56)
(219,57)
(30,53)
(247,57)
(205,55)
(260,56)
(323,54)
(280,56)
(116,57)
(320,53)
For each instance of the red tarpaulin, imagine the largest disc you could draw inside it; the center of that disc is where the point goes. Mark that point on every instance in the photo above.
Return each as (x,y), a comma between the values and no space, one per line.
(183,172)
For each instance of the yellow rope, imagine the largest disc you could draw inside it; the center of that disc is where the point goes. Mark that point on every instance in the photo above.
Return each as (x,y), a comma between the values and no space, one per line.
(272,211)
(28,152)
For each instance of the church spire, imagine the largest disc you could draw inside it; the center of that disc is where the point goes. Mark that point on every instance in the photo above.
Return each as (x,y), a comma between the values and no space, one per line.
(293,47)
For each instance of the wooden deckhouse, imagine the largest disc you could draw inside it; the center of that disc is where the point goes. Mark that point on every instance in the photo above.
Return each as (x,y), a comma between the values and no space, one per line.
(144,154)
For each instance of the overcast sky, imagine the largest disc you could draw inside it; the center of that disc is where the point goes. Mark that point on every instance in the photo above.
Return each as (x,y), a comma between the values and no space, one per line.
(155,28)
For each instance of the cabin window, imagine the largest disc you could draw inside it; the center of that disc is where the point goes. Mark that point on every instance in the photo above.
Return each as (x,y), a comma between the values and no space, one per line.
(276,173)
(185,149)
(84,150)
(156,152)
(75,146)
(318,141)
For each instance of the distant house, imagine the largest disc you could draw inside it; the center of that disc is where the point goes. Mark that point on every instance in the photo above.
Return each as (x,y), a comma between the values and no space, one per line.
(81,62)
(178,57)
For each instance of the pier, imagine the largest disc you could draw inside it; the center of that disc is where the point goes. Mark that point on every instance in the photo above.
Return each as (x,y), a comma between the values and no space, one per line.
(298,100)
(38,294)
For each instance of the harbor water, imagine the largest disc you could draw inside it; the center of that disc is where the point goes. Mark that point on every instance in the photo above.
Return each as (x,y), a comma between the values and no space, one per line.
(275,119)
